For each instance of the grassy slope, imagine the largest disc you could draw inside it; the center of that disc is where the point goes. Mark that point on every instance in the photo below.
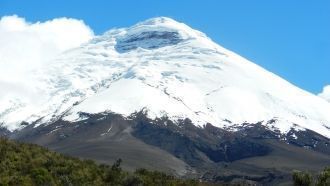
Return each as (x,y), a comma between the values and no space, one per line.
(27,164)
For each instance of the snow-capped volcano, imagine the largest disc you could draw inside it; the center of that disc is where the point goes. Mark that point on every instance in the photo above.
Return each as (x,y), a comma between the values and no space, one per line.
(167,69)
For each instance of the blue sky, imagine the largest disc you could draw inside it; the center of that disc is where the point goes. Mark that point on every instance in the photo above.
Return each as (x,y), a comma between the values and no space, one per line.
(291,38)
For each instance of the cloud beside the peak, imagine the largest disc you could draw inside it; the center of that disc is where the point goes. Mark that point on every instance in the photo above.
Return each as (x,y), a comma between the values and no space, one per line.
(25,45)
(325,94)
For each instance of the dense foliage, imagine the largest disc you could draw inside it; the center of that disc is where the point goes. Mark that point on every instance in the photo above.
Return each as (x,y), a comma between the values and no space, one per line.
(27,164)
(306,179)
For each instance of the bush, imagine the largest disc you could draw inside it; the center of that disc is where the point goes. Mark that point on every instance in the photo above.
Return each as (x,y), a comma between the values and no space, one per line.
(301,178)
(306,179)
(324,178)
(41,176)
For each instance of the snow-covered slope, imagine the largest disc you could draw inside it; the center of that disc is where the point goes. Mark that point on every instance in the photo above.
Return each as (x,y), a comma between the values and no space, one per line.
(325,94)
(167,69)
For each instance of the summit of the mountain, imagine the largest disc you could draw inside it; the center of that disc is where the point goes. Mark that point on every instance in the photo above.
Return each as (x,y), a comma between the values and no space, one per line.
(160,24)
(159,21)
(155,33)
(166,69)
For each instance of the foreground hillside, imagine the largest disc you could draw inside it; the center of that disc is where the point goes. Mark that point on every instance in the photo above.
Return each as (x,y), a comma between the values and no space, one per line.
(27,164)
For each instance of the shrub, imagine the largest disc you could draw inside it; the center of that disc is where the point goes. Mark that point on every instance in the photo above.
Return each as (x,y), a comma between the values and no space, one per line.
(301,178)
(324,178)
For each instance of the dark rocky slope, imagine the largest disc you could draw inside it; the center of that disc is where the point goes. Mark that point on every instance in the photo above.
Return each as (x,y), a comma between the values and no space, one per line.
(252,153)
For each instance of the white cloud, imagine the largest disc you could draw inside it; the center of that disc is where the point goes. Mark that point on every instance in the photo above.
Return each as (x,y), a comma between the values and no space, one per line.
(325,93)
(25,46)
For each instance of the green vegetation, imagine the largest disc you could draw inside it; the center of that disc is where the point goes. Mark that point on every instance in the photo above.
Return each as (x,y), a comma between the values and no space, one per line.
(306,179)
(27,164)
(302,178)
